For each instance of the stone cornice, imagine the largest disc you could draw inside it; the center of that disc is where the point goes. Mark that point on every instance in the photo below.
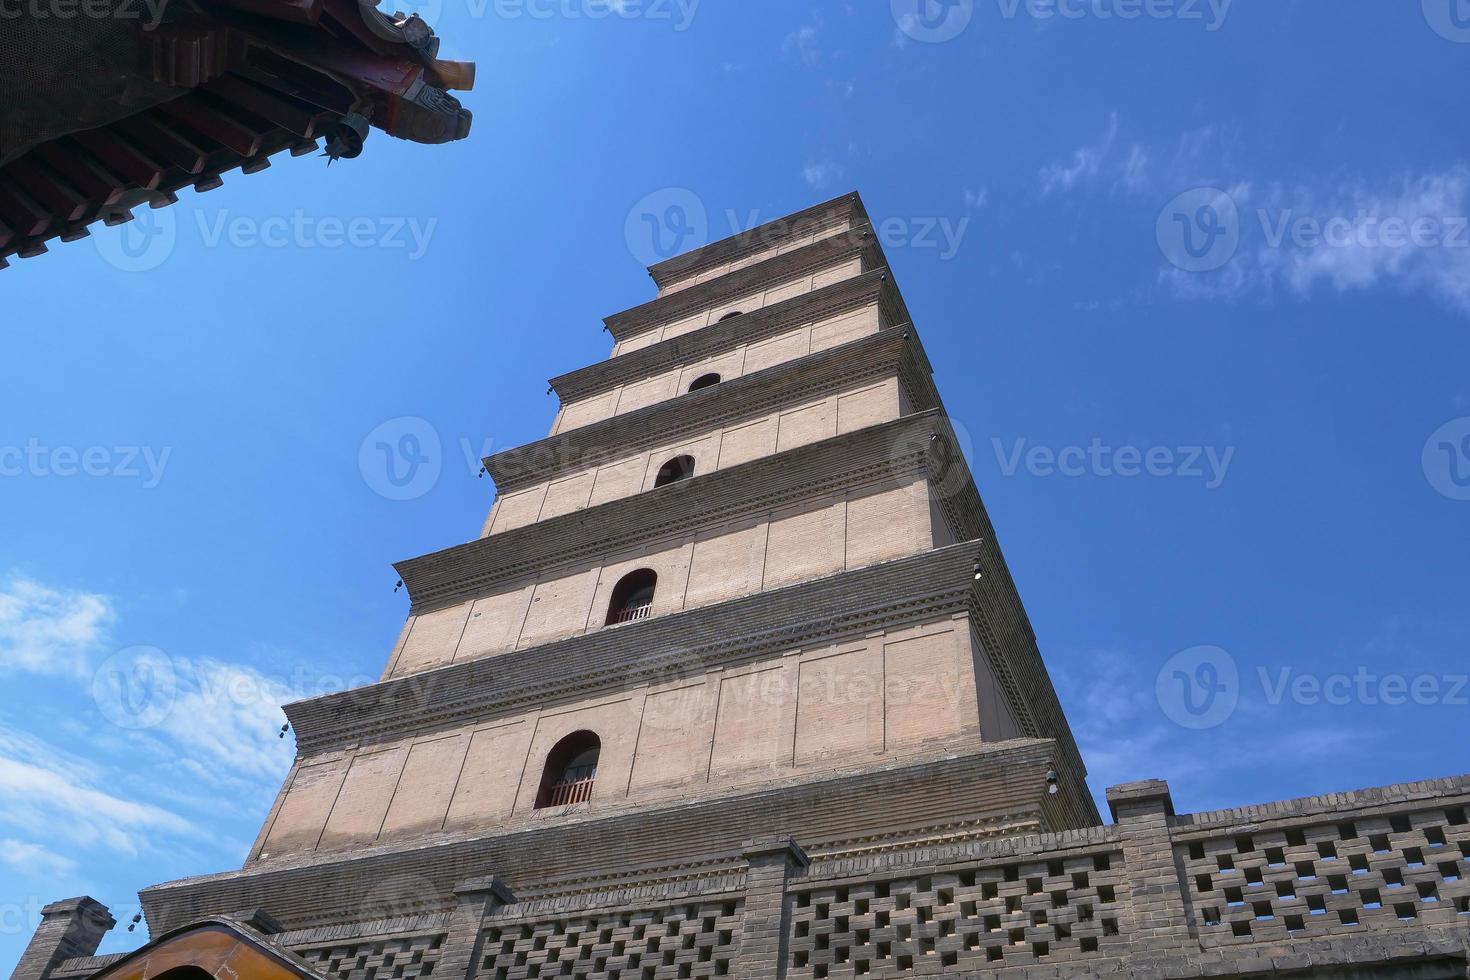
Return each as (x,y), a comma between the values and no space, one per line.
(897,348)
(816,218)
(879,455)
(829,301)
(1440,793)
(621,847)
(665,309)
(657,650)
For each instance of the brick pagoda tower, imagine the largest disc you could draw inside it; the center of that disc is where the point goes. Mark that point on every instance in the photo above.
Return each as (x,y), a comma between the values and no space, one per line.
(735,682)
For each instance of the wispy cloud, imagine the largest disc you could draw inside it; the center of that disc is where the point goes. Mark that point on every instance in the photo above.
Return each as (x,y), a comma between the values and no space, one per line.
(976,198)
(49,630)
(1349,235)
(52,795)
(821,175)
(1198,157)
(27,858)
(1084,165)
(801,44)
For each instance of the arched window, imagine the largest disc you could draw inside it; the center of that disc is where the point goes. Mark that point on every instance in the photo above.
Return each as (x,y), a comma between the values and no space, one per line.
(676,469)
(632,597)
(704,381)
(732,315)
(571,768)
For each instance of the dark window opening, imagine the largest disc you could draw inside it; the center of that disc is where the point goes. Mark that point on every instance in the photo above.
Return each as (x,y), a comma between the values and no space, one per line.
(676,469)
(571,768)
(705,381)
(731,316)
(632,597)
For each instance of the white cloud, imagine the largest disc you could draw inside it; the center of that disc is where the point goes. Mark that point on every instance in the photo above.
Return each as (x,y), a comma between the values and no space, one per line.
(1199,157)
(1336,236)
(1085,164)
(52,795)
(1440,264)
(164,734)
(51,631)
(801,43)
(225,720)
(976,199)
(26,858)
(820,175)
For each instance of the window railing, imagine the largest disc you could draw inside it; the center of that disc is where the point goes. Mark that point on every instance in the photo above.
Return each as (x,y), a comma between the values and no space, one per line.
(570,791)
(631,613)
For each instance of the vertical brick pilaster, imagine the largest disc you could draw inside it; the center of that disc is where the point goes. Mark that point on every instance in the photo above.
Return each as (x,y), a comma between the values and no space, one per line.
(477,898)
(763,928)
(1163,925)
(71,927)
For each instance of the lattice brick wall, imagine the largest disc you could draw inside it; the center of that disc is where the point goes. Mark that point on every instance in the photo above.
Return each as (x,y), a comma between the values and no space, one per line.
(1363,873)
(1056,911)
(377,959)
(694,940)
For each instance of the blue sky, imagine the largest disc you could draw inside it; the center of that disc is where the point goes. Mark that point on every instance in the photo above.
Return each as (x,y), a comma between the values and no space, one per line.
(1196,284)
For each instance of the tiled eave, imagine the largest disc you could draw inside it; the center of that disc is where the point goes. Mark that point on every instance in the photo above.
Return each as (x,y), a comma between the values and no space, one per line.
(848,207)
(877,456)
(652,650)
(850,244)
(723,404)
(871,287)
(979,792)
